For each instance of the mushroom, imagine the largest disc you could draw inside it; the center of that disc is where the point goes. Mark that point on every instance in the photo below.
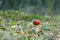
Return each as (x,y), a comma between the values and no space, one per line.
(36,23)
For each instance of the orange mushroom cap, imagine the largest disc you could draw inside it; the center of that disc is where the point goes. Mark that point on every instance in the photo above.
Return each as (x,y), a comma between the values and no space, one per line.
(36,22)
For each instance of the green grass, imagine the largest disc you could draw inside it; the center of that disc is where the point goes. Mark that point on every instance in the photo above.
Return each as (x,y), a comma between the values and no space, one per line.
(15,17)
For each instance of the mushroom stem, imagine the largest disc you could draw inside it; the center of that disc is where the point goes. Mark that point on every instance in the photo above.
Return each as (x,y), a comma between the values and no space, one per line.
(36,28)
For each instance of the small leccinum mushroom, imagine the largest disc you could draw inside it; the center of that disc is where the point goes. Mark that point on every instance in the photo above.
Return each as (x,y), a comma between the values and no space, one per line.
(36,23)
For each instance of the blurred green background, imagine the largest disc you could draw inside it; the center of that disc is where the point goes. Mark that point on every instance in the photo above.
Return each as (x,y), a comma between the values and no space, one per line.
(41,7)
(30,9)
